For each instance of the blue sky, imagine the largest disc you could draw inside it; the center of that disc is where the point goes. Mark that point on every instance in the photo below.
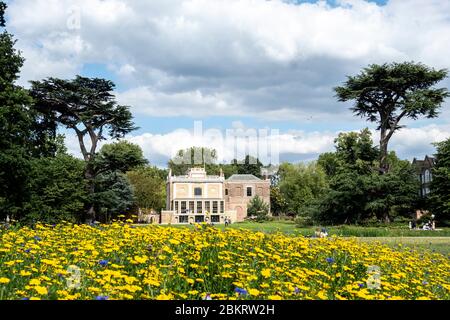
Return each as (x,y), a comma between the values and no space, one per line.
(248,64)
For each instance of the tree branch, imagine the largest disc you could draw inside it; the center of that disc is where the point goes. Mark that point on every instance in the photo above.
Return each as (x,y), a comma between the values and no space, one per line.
(80,136)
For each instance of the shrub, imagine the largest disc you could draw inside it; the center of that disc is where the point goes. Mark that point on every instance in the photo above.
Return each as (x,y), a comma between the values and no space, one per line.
(258,208)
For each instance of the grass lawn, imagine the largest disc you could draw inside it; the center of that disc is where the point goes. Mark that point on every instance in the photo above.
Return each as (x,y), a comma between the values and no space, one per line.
(290,227)
(437,244)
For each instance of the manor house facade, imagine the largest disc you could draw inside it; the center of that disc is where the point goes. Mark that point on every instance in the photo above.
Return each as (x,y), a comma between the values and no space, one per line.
(198,197)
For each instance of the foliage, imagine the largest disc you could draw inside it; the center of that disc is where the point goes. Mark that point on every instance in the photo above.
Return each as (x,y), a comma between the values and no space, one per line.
(113,196)
(127,263)
(357,191)
(300,185)
(258,208)
(87,106)
(385,94)
(249,165)
(278,203)
(194,157)
(149,185)
(57,191)
(2,12)
(440,185)
(120,156)
(355,197)
(15,128)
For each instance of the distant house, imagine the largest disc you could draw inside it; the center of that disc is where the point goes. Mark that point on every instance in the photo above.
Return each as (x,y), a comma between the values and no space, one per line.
(198,197)
(424,174)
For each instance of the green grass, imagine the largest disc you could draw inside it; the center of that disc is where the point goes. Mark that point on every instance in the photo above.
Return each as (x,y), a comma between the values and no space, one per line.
(290,227)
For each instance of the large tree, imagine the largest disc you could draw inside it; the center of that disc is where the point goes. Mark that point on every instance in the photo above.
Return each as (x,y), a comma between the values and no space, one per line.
(357,192)
(387,93)
(15,128)
(87,106)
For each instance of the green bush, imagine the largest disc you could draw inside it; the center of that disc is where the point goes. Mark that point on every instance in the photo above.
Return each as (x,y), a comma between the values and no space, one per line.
(258,209)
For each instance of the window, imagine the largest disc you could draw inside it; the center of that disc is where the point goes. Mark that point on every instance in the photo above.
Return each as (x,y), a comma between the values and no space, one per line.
(183,206)
(249,191)
(191,206)
(207,206)
(221,207)
(199,207)
(197,192)
(215,218)
(226,192)
(176,206)
(183,219)
(214,209)
(427,176)
(199,219)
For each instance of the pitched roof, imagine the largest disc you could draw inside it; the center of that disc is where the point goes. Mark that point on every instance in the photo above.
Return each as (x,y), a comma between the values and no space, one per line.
(243,177)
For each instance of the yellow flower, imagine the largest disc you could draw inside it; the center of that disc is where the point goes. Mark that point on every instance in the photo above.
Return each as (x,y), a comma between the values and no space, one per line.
(164,296)
(4,280)
(275,297)
(253,292)
(266,273)
(41,290)
(35,282)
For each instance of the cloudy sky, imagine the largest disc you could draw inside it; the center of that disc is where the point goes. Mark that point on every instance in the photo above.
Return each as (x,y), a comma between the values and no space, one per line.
(248,64)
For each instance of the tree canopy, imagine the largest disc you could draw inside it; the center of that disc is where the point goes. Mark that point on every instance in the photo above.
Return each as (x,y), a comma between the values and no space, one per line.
(87,106)
(2,13)
(16,128)
(387,93)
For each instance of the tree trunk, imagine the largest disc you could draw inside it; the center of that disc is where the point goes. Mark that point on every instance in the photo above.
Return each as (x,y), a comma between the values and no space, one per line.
(384,166)
(386,218)
(90,210)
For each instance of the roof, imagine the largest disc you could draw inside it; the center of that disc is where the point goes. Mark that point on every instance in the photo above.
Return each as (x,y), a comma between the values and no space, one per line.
(427,163)
(191,179)
(243,177)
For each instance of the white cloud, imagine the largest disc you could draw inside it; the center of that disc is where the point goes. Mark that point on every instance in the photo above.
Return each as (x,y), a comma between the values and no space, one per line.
(269,60)
(240,55)
(294,145)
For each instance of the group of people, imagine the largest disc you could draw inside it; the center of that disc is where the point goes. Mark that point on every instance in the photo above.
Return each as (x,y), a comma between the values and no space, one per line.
(321,233)
(426,226)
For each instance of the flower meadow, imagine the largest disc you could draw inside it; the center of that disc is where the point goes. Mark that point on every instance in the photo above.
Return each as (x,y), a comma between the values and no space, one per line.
(122,261)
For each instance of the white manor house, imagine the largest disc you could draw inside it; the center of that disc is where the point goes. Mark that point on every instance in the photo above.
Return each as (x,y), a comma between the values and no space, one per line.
(198,197)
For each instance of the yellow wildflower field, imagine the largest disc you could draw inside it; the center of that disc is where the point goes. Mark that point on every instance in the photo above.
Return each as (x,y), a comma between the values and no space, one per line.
(121,261)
